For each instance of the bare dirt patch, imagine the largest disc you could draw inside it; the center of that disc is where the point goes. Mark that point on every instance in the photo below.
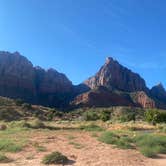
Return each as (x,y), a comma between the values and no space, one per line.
(84,150)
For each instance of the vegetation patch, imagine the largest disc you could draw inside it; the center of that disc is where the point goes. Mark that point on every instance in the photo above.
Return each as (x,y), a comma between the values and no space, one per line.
(91,127)
(8,145)
(76,145)
(123,141)
(4,159)
(150,145)
(55,158)
(155,116)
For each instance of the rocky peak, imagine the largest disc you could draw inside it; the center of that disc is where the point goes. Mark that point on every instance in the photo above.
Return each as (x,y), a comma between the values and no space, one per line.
(159,92)
(114,75)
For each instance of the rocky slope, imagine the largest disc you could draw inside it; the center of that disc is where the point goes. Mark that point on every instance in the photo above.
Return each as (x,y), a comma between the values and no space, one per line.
(114,75)
(120,86)
(158,93)
(19,79)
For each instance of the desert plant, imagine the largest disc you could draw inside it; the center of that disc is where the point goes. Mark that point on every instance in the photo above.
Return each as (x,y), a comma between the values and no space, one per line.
(90,116)
(55,158)
(91,127)
(150,145)
(122,142)
(27,106)
(4,159)
(8,145)
(38,124)
(155,116)
(105,115)
(19,102)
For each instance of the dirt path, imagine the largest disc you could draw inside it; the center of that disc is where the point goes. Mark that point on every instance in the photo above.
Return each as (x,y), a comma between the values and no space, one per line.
(82,149)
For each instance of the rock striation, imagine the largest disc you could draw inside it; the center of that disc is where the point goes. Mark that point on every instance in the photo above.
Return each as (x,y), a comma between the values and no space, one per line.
(114,75)
(141,98)
(19,79)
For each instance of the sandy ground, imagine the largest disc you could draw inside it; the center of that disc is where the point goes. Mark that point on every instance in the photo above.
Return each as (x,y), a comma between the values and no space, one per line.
(89,151)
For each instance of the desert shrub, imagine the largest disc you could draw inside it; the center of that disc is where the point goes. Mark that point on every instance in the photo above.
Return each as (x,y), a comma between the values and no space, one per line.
(20,124)
(41,149)
(122,142)
(105,115)
(55,158)
(124,114)
(155,116)
(18,102)
(162,128)
(91,127)
(150,145)
(90,116)
(7,114)
(37,124)
(4,159)
(27,106)
(8,145)
(53,113)
(127,117)
(3,127)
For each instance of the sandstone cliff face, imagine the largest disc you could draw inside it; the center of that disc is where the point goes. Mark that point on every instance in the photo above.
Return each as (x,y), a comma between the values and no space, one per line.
(53,88)
(17,76)
(117,80)
(141,98)
(158,93)
(114,75)
(19,79)
(102,97)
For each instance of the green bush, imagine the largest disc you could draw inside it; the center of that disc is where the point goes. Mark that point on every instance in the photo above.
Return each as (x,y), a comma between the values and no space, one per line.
(91,127)
(155,116)
(55,158)
(150,145)
(90,116)
(19,102)
(123,142)
(8,145)
(27,106)
(20,124)
(127,117)
(105,115)
(37,124)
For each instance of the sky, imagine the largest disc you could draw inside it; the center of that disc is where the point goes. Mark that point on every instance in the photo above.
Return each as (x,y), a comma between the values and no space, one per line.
(76,36)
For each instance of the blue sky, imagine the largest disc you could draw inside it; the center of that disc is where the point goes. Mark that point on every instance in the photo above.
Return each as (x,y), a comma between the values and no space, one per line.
(75,36)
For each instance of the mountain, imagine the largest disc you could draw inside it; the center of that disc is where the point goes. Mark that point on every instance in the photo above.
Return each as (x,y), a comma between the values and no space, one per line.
(158,93)
(112,85)
(115,76)
(19,79)
(115,85)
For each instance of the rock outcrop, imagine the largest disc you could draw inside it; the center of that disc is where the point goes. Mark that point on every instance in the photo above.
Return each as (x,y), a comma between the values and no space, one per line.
(102,97)
(19,79)
(158,93)
(120,85)
(141,98)
(114,75)
(17,76)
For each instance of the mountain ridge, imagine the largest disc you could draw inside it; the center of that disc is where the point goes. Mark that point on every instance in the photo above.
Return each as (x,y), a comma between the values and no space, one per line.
(20,79)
